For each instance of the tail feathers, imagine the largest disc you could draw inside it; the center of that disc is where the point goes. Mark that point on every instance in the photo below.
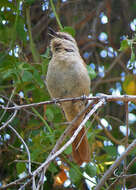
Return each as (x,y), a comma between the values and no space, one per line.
(80,148)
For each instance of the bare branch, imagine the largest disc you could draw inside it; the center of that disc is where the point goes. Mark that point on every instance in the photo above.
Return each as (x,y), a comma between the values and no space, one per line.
(99,104)
(25,161)
(115,165)
(14,183)
(124,98)
(26,183)
(52,156)
(59,142)
(131,163)
(116,60)
(63,136)
(9,101)
(122,174)
(126,107)
(108,134)
(26,147)
(126,145)
(101,99)
(9,121)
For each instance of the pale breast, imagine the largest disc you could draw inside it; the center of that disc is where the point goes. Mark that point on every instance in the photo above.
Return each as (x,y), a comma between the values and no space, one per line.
(67,79)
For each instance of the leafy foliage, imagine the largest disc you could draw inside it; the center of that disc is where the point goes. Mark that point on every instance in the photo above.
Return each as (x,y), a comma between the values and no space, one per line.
(100,28)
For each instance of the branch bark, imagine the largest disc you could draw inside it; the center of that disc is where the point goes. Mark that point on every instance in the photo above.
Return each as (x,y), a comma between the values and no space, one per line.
(108,98)
(115,165)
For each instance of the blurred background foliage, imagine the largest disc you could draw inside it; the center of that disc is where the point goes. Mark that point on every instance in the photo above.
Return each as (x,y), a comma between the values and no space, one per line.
(106,35)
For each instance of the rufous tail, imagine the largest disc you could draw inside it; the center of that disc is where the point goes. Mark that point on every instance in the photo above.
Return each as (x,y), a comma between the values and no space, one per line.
(81,148)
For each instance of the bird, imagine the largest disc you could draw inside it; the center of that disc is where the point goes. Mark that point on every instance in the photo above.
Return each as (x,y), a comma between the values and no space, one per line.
(67,77)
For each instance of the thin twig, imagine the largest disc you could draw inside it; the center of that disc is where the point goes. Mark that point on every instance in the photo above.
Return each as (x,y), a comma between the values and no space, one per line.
(26,183)
(126,145)
(131,163)
(26,147)
(34,185)
(108,134)
(58,143)
(9,121)
(116,60)
(54,152)
(14,183)
(96,19)
(56,15)
(63,136)
(87,129)
(99,104)
(122,175)
(115,165)
(14,114)
(53,156)
(9,101)
(25,161)
(127,126)
(115,79)
(128,176)
(32,45)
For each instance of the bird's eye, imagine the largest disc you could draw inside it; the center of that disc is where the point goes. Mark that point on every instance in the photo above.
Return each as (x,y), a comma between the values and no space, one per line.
(57,46)
(66,38)
(69,50)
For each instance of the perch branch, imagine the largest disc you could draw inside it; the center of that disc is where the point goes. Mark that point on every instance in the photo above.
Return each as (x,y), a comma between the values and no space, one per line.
(64,135)
(101,99)
(124,98)
(99,104)
(45,164)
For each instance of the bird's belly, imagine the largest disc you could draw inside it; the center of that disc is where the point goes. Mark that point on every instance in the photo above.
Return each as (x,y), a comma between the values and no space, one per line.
(69,82)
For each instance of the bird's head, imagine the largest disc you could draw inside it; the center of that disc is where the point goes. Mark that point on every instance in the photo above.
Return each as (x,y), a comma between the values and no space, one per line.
(62,42)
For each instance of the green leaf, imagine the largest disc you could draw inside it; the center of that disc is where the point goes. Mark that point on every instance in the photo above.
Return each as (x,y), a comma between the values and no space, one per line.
(29,2)
(27,76)
(49,114)
(53,168)
(69,30)
(20,167)
(132,59)
(42,95)
(20,30)
(124,45)
(7,4)
(91,72)
(8,73)
(46,54)
(24,66)
(36,154)
(111,151)
(37,78)
(5,34)
(90,169)
(75,176)
(68,150)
